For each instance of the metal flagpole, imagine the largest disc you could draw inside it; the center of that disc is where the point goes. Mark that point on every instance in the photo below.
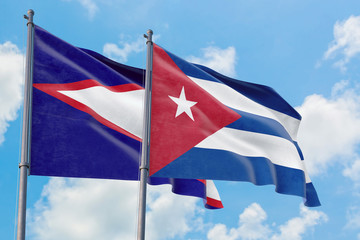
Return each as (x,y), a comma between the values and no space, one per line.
(145,152)
(25,144)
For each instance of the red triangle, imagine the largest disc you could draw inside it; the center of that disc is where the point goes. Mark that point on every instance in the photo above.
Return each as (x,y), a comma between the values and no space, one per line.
(173,136)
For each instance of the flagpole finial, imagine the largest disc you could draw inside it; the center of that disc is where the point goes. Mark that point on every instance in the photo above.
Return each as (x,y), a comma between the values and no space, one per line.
(30,16)
(149,35)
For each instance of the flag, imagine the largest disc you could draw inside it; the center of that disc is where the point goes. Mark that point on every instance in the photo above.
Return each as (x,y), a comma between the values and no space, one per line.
(87,117)
(209,126)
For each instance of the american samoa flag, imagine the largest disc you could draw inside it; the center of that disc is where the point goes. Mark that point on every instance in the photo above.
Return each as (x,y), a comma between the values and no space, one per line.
(209,126)
(87,116)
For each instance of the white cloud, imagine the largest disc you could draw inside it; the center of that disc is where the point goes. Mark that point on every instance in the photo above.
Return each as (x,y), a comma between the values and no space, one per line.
(104,209)
(353,172)
(353,218)
(90,6)
(298,226)
(169,215)
(346,41)
(330,128)
(251,223)
(252,226)
(121,54)
(11,82)
(221,60)
(85,209)
(220,232)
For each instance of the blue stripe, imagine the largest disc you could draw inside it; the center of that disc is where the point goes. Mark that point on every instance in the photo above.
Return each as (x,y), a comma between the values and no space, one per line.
(209,206)
(190,187)
(312,199)
(187,187)
(258,170)
(255,123)
(261,94)
(299,150)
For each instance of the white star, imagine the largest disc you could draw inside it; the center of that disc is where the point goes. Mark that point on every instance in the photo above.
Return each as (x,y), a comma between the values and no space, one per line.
(183,104)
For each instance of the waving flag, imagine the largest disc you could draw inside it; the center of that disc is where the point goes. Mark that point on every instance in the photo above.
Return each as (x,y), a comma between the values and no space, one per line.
(206,125)
(87,116)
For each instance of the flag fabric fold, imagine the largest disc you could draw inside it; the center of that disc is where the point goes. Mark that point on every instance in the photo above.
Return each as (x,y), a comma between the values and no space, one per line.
(87,116)
(222,128)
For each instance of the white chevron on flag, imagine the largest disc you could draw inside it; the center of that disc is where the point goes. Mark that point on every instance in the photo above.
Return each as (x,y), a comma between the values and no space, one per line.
(124,109)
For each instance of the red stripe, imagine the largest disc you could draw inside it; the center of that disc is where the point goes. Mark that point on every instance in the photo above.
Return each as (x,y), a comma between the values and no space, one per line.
(214,203)
(202,180)
(211,201)
(85,84)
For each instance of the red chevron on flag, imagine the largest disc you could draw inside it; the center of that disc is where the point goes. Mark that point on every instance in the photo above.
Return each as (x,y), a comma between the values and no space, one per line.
(110,105)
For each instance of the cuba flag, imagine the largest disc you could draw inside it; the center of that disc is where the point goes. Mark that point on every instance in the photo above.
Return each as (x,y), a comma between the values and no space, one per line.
(87,117)
(209,126)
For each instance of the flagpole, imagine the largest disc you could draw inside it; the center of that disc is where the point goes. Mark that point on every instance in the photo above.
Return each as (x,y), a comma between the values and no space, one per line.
(145,152)
(25,144)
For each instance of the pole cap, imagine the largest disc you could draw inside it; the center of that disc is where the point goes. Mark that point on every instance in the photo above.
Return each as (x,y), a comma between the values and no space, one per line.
(31,12)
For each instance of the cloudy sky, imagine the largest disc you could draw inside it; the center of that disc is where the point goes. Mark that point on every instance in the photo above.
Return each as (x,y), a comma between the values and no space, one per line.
(308,52)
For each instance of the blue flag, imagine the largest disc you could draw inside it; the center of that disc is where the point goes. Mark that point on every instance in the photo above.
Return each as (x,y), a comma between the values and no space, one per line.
(222,128)
(87,118)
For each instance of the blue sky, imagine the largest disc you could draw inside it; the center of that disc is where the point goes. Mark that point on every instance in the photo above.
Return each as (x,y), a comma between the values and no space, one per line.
(307,51)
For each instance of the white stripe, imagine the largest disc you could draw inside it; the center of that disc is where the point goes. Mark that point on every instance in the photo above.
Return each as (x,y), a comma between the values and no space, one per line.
(236,100)
(211,190)
(124,109)
(278,150)
(307,178)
